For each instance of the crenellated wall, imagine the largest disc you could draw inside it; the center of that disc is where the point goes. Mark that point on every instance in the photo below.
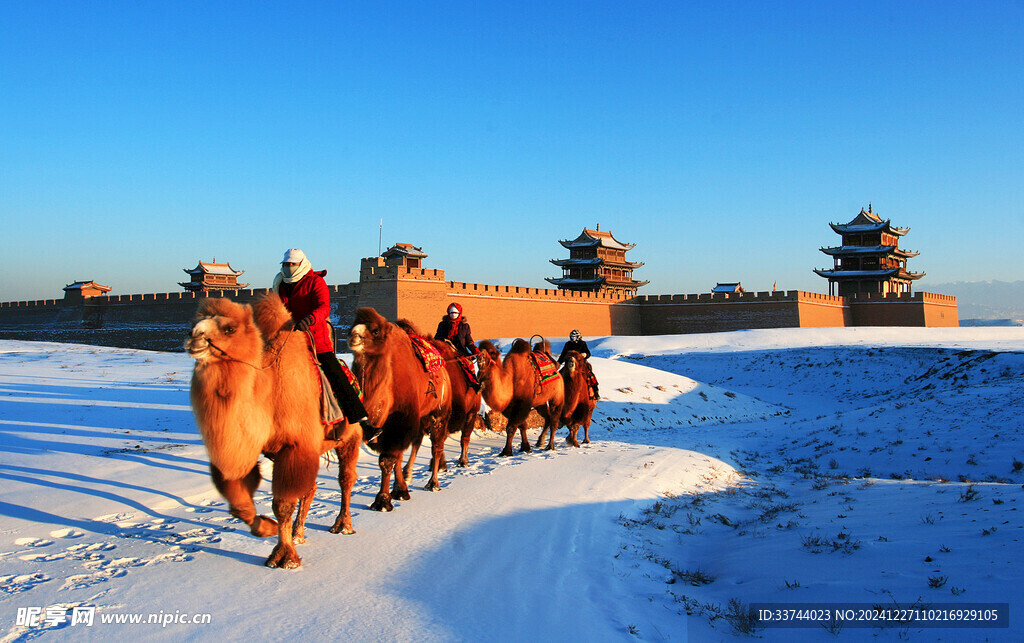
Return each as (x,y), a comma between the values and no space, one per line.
(903,309)
(160,321)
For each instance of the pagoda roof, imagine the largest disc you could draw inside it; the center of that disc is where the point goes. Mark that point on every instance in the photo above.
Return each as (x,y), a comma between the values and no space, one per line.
(81,285)
(591,238)
(567,281)
(403,250)
(868,221)
(727,287)
(865,274)
(596,261)
(593,261)
(868,250)
(213,269)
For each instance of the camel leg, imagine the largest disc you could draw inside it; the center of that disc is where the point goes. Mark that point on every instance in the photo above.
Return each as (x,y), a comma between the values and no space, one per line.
(294,476)
(400,489)
(586,430)
(438,436)
(284,555)
(510,433)
(525,446)
(413,450)
(386,461)
(239,493)
(348,458)
(573,431)
(467,431)
(299,526)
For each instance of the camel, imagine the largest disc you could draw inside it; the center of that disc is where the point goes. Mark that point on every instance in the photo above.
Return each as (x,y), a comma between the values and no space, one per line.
(255,389)
(512,387)
(579,406)
(465,397)
(401,397)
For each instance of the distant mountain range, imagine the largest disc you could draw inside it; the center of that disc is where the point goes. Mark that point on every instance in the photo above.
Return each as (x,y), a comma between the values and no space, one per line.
(984,303)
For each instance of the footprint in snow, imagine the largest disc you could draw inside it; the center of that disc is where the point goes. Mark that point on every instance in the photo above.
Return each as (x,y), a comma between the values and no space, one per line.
(15,584)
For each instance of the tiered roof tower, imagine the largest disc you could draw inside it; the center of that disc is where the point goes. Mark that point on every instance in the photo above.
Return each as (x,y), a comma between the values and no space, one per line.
(869,259)
(597,262)
(212,276)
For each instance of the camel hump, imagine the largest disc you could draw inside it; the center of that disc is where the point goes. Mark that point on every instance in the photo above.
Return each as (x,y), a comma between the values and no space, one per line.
(519,345)
(220,307)
(270,314)
(411,329)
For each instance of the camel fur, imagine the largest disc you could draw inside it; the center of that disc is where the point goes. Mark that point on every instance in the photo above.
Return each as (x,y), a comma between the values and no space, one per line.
(255,390)
(400,397)
(512,387)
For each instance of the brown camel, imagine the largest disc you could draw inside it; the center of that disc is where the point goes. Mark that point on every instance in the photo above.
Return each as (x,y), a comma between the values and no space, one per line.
(465,396)
(256,389)
(512,387)
(402,398)
(579,406)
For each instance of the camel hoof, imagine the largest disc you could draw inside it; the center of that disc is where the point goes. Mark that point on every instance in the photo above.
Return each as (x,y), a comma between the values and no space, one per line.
(432,486)
(505,453)
(263,527)
(463,462)
(400,494)
(283,558)
(342,527)
(382,503)
(586,442)
(299,540)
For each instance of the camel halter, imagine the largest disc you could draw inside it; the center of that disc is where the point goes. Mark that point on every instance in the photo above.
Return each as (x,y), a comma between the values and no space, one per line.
(277,355)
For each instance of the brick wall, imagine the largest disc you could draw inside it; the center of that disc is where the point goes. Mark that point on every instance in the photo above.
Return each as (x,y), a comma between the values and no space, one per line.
(903,309)
(159,321)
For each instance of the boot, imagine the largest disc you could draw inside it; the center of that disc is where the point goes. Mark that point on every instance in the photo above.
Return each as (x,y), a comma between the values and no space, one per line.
(370,432)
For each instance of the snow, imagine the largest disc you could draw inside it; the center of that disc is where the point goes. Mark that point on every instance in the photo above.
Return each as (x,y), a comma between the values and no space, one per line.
(836,466)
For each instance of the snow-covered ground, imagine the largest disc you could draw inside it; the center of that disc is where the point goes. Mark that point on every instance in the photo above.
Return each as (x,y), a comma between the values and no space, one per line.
(841,467)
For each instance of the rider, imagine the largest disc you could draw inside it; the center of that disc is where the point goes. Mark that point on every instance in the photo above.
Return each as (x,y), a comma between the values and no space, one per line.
(455,329)
(577,344)
(305,295)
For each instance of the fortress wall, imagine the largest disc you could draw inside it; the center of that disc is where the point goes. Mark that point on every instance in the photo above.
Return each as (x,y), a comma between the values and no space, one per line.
(822,311)
(160,321)
(707,313)
(904,309)
(505,311)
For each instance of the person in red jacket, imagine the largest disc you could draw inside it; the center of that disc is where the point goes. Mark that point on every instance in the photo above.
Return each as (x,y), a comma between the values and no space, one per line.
(305,295)
(454,328)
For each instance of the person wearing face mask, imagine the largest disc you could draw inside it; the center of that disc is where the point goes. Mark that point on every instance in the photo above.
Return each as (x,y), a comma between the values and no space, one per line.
(455,329)
(577,344)
(305,295)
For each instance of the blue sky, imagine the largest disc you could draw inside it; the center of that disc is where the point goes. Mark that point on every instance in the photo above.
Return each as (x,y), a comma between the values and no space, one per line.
(720,137)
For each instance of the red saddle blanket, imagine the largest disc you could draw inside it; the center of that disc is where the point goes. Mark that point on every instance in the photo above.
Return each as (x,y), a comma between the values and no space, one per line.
(546,367)
(427,354)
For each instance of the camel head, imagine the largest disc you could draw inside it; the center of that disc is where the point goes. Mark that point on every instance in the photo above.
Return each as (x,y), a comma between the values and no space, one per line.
(488,356)
(369,334)
(224,330)
(572,362)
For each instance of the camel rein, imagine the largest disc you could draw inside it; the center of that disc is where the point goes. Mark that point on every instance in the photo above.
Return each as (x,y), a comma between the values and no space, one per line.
(277,355)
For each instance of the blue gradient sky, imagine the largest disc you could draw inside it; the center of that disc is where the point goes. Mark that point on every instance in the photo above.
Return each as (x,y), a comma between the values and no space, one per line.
(137,138)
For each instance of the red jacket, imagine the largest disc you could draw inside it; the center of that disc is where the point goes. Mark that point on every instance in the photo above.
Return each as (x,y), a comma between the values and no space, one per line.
(310,296)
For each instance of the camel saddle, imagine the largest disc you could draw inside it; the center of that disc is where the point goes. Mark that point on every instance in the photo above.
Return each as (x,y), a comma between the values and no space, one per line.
(545,365)
(330,410)
(428,354)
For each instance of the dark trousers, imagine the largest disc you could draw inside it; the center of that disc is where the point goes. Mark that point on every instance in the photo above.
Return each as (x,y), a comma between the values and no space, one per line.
(346,394)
